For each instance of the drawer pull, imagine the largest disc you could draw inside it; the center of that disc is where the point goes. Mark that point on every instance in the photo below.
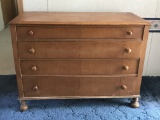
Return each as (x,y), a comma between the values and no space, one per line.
(30,33)
(32,51)
(124,87)
(34,68)
(130,33)
(126,68)
(128,50)
(35,88)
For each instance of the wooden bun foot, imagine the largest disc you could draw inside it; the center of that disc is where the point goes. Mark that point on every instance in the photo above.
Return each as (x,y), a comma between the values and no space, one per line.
(23,106)
(135,103)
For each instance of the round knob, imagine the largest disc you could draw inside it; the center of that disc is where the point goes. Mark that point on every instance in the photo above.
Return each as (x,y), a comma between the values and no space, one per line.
(30,33)
(126,68)
(124,87)
(130,33)
(128,50)
(34,68)
(32,51)
(35,88)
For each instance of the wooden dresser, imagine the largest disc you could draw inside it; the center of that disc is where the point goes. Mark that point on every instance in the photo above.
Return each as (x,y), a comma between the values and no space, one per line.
(79,55)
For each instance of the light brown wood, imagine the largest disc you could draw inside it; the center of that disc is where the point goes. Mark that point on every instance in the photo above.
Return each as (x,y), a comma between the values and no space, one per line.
(81,32)
(80,18)
(143,50)
(76,40)
(124,87)
(23,106)
(79,55)
(77,97)
(82,49)
(135,103)
(128,50)
(30,50)
(16,60)
(126,67)
(77,86)
(79,67)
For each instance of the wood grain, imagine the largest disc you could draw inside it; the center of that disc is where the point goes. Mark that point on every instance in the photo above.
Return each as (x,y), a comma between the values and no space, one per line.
(79,67)
(62,86)
(78,55)
(79,18)
(77,97)
(16,60)
(81,32)
(102,49)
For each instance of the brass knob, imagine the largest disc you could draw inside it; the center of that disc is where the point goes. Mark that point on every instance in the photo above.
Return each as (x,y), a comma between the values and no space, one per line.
(30,32)
(35,88)
(130,33)
(32,51)
(128,50)
(124,87)
(34,68)
(126,68)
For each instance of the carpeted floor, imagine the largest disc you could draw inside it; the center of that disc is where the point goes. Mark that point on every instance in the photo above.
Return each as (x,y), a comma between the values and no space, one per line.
(92,109)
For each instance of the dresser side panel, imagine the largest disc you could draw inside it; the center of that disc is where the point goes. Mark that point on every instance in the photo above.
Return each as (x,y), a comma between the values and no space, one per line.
(143,50)
(142,56)
(16,60)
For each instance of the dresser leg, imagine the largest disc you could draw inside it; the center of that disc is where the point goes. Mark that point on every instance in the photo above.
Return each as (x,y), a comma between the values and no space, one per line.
(134,103)
(23,106)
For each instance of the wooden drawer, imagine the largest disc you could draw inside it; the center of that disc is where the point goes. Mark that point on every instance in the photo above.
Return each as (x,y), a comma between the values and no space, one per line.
(79,67)
(107,49)
(80,86)
(40,32)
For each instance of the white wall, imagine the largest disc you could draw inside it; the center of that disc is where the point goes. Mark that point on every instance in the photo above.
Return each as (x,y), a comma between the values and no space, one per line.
(143,8)
(1,19)
(153,58)
(158,9)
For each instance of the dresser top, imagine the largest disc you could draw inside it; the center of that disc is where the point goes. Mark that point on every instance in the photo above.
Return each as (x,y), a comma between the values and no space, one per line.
(79,18)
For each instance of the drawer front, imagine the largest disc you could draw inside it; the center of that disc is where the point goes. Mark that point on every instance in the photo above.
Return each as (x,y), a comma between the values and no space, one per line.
(79,49)
(79,32)
(77,86)
(79,67)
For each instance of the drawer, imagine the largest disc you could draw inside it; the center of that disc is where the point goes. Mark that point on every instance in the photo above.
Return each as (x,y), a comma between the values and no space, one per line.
(79,67)
(107,49)
(41,32)
(79,86)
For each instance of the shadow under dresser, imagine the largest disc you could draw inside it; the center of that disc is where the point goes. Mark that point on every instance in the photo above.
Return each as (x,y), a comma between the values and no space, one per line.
(78,55)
